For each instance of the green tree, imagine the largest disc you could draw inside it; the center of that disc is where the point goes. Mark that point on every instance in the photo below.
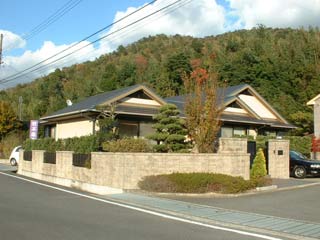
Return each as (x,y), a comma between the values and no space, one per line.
(170,131)
(107,123)
(178,65)
(8,119)
(258,169)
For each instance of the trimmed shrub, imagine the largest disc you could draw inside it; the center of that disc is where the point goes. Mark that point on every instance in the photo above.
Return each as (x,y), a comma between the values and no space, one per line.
(258,169)
(127,145)
(196,183)
(170,129)
(85,144)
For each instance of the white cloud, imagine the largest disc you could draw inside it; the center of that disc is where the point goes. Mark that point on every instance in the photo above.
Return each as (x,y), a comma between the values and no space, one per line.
(14,64)
(11,41)
(196,18)
(276,13)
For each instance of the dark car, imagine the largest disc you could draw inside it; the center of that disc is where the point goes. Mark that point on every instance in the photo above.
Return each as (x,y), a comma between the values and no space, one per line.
(301,166)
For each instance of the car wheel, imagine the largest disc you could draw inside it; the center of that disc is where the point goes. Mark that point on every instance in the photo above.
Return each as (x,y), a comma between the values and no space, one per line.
(13,162)
(299,172)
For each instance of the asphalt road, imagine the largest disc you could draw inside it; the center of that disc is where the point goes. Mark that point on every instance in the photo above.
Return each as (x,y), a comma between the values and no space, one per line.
(300,204)
(30,212)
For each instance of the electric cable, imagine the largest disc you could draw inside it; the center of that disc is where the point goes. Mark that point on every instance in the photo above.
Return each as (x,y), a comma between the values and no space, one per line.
(75,44)
(105,36)
(49,20)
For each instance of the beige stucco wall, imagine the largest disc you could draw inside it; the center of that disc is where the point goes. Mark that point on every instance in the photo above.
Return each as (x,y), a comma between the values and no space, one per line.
(74,129)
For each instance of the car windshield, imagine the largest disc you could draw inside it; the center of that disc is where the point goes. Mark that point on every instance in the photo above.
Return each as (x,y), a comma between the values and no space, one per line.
(18,149)
(298,155)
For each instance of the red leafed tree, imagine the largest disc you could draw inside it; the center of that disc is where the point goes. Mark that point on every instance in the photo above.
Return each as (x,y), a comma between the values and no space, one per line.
(202,107)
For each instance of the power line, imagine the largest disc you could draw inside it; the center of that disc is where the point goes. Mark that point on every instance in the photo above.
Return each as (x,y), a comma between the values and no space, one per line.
(53,18)
(49,20)
(167,10)
(14,76)
(128,31)
(109,34)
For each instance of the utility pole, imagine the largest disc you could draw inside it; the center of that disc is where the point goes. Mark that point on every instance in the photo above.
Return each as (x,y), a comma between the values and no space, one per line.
(20,107)
(1,38)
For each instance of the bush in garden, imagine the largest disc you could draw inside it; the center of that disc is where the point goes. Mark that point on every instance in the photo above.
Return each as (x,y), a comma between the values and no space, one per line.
(258,169)
(127,145)
(196,183)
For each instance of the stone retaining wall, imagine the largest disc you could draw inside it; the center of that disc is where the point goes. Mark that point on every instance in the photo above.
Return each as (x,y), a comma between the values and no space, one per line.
(111,172)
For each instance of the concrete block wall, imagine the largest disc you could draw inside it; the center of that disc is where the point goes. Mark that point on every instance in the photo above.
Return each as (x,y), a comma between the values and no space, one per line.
(111,172)
(278,158)
(233,145)
(125,170)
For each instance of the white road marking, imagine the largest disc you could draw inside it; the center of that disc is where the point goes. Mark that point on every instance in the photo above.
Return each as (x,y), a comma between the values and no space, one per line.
(149,211)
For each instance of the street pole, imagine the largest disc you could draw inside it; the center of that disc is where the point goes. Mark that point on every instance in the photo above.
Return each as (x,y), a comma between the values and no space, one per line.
(20,108)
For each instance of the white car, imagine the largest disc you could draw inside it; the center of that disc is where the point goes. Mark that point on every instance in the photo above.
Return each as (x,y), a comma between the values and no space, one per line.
(14,156)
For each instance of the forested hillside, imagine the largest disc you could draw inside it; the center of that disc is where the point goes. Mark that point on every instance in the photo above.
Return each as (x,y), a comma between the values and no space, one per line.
(283,65)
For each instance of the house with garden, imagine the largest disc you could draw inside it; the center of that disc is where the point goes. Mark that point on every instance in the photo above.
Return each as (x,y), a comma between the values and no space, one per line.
(244,113)
(137,112)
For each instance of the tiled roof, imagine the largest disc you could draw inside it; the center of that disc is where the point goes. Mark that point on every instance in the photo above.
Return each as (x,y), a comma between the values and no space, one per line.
(229,94)
(90,103)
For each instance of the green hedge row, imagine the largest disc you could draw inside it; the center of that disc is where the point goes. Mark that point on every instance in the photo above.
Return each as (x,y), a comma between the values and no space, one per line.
(127,145)
(84,144)
(87,144)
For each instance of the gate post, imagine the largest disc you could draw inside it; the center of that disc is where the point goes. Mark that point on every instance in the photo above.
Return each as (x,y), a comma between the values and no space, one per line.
(278,158)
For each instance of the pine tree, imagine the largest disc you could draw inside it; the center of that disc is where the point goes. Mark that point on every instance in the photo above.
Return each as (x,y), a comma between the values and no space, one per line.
(170,131)
(258,169)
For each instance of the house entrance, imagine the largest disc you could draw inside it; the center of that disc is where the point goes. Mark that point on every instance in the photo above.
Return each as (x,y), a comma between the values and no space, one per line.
(251,149)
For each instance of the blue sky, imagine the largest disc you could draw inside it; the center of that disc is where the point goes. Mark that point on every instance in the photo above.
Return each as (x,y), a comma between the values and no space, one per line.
(85,18)
(190,17)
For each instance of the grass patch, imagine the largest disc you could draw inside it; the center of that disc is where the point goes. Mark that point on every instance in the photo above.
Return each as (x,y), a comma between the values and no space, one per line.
(200,183)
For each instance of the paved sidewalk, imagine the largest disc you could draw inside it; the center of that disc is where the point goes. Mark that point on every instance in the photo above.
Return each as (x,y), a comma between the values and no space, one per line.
(4,161)
(289,228)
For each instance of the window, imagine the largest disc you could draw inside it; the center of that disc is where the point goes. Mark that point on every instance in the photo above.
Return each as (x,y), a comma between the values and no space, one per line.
(129,129)
(239,131)
(227,132)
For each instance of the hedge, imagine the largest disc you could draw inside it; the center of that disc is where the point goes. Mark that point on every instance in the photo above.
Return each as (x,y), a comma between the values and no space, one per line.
(127,145)
(85,144)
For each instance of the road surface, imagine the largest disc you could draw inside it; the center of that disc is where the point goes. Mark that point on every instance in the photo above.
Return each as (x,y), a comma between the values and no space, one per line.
(29,211)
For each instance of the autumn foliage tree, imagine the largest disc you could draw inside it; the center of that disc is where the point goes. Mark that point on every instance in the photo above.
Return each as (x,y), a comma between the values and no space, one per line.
(8,119)
(202,107)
